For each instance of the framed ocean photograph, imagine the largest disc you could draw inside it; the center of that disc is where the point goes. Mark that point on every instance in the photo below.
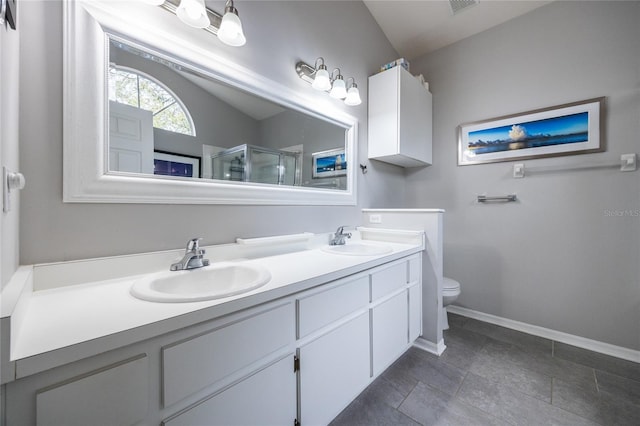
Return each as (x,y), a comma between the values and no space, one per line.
(171,164)
(329,163)
(567,129)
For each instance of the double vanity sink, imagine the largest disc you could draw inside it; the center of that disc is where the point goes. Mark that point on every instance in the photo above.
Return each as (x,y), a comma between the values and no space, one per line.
(227,279)
(90,340)
(133,297)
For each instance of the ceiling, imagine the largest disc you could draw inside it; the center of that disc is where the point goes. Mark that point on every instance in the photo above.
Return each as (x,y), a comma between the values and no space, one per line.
(417,27)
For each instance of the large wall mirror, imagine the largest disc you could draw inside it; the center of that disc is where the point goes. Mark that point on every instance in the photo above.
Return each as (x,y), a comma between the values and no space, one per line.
(151,118)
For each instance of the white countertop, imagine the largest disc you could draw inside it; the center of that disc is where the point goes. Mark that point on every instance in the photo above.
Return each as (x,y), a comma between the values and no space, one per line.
(60,325)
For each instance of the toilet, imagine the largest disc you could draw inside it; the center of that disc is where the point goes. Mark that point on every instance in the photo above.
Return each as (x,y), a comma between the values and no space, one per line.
(450,292)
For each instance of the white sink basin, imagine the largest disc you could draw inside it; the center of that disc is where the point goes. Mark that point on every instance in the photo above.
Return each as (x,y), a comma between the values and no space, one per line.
(359,249)
(211,282)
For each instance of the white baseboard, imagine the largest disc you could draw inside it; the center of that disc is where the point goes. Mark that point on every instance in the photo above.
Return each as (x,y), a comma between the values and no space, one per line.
(558,336)
(427,346)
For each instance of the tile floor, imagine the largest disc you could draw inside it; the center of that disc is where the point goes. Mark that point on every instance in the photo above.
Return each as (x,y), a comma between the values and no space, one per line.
(490,375)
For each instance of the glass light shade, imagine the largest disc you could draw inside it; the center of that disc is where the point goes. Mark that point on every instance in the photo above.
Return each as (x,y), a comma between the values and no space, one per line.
(193,13)
(353,97)
(230,31)
(338,90)
(321,80)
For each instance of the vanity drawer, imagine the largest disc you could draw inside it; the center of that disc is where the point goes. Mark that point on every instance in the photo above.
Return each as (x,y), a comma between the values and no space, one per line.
(388,279)
(322,308)
(265,398)
(118,394)
(199,362)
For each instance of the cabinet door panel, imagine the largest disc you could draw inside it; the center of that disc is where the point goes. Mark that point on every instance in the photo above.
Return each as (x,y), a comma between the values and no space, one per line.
(387,280)
(415,119)
(390,331)
(202,361)
(333,370)
(321,309)
(116,396)
(415,312)
(266,398)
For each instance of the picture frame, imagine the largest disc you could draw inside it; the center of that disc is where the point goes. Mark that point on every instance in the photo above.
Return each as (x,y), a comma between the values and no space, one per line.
(179,165)
(329,163)
(568,129)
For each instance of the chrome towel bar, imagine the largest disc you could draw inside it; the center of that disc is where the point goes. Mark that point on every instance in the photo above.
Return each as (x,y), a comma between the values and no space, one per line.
(497,199)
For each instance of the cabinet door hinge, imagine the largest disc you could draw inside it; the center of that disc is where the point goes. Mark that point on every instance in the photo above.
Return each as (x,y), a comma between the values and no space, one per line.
(296,366)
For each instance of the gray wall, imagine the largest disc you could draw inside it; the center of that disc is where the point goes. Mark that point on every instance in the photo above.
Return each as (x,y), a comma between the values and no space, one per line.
(9,108)
(558,258)
(279,34)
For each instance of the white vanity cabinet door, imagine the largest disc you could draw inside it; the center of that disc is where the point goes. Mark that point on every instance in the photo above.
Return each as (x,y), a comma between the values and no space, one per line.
(388,279)
(334,369)
(318,309)
(115,396)
(389,328)
(207,359)
(266,398)
(400,119)
(415,298)
(415,312)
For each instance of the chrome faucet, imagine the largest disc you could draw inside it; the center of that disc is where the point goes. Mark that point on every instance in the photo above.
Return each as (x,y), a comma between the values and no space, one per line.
(339,237)
(193,258)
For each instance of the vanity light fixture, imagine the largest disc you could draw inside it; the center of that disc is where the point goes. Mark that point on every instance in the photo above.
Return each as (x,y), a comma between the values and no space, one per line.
(230,31)
(338,88)
(353,94)
(319,78)
(195,13)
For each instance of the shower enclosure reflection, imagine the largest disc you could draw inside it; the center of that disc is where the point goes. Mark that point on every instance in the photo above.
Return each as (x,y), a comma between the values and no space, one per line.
(249,163)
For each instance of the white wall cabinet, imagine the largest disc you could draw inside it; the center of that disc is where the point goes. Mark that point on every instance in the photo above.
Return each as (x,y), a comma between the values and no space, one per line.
(400,119)
(240,369)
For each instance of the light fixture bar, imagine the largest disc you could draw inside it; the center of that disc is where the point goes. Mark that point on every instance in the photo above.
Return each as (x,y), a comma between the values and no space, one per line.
(306,72)
(214,17)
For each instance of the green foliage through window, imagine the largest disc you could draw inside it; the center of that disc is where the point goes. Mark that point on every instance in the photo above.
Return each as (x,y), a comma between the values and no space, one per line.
(131,87)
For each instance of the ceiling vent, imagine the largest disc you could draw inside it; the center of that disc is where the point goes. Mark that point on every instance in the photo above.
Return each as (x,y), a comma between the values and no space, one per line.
(458,6)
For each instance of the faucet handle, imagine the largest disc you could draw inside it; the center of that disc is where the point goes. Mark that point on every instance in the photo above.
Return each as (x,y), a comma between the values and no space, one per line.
(340,231)
(194,244)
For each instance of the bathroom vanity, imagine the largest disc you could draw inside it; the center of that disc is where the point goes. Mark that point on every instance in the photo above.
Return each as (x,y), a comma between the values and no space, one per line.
(298,349)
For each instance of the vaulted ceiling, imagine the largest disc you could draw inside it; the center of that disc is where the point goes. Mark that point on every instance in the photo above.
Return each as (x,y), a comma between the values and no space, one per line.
(417,27)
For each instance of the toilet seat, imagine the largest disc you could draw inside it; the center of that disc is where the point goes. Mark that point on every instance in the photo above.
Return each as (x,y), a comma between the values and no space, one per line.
(450,285)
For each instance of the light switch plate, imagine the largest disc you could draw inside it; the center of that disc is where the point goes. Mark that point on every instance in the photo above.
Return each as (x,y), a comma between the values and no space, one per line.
(375,218)
(518,170)
(628,162)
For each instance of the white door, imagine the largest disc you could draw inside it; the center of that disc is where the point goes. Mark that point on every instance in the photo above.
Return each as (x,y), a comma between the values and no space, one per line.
(130,139)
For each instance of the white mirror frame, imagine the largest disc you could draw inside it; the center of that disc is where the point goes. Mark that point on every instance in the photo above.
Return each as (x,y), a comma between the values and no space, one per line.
(85,133)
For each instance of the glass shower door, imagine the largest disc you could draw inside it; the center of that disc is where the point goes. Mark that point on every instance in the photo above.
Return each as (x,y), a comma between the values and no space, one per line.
(265,166)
